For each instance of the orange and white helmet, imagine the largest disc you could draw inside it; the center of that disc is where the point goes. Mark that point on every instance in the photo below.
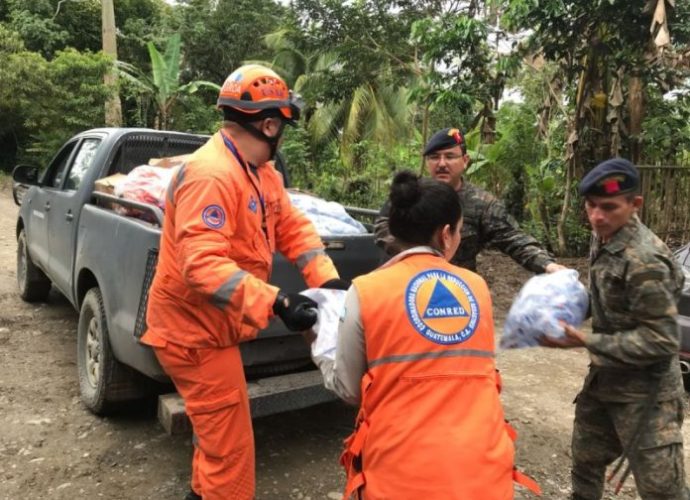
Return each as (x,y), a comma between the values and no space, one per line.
(253,88)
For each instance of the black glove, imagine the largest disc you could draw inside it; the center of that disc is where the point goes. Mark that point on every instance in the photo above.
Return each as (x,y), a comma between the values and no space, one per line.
(337,284)
(297,311)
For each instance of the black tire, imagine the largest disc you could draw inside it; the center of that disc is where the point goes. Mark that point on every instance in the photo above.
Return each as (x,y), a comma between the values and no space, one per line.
(34,285)
(104,383)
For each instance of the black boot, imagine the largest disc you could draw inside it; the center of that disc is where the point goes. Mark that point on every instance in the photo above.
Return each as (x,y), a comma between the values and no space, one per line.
(192,496)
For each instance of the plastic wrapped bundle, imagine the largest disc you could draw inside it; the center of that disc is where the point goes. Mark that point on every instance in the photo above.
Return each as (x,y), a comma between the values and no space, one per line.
(331,306)
(542,303)
(146,184)
(329,217)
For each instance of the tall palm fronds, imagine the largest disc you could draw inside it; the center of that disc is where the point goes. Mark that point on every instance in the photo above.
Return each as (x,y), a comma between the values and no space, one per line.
(374,111)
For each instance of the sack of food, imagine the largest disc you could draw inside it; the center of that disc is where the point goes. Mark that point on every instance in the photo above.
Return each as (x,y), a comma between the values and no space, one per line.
(146,184)
(329,217)
(331,306)
(543,302)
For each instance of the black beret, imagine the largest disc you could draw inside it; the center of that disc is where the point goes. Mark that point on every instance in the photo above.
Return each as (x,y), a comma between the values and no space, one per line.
(444,139)
(610,178)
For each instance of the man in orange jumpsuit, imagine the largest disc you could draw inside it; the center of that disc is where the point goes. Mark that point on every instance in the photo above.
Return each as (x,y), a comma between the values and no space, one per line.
(227,212)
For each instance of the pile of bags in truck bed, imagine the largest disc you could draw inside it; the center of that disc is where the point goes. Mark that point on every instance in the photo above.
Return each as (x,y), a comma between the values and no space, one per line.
(149,184)
(329,217)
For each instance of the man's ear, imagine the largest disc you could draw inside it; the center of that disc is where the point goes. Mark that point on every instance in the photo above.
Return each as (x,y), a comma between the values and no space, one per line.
(271,126)
(638,201)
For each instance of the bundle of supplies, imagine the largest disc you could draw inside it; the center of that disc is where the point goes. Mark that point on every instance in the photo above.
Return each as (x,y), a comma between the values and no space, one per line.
(146,184)
(543,302)
(331,308)
(329,217)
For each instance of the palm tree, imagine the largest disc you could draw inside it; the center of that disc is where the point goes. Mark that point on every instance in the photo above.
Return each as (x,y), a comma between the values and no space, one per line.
(374,111)
(162,85)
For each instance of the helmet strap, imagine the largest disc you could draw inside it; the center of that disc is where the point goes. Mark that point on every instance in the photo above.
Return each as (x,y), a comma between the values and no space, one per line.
(271,141)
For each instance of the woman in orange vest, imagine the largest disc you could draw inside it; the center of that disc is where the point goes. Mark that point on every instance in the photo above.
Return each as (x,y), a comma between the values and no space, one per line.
(416,351)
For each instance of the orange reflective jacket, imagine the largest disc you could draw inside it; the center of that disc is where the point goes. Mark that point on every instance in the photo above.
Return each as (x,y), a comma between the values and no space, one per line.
(431,423)
(223,222)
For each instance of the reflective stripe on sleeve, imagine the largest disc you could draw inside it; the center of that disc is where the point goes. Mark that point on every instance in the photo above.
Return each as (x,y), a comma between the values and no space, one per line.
(304,259)
(173,185)
(455,353)
(223,295)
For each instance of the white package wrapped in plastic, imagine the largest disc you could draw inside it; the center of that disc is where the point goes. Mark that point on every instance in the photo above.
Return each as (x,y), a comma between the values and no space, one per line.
(543,302)
(329,218)
(331,305)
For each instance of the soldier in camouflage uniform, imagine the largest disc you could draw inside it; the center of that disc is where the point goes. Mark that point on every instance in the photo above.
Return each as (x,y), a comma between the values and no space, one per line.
(486,221)
(631,401)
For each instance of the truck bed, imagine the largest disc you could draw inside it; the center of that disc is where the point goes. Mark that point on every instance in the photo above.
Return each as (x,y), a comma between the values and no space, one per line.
(276,350)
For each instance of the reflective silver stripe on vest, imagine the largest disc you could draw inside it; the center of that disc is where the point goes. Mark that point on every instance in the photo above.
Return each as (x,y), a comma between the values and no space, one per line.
(223,295)
(455,353)
(173,185)
(304,259)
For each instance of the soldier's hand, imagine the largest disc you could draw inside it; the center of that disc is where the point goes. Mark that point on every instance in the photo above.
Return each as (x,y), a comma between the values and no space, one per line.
(553,267)
(573,338)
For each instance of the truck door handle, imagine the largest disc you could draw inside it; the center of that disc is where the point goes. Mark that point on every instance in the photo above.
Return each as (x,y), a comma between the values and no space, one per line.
(334,245)
(47,206)
(69,215)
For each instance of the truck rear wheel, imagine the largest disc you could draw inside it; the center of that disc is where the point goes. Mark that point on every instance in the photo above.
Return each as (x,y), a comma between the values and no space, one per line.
(34,285)
(104,382)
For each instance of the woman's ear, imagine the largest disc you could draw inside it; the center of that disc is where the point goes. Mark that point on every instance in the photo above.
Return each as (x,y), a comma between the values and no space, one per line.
(446,237)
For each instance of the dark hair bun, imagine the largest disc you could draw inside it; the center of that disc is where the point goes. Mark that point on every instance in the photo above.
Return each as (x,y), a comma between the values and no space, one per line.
(405,190)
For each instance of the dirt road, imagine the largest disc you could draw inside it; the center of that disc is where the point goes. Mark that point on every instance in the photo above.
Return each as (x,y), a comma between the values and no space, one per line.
(52,448)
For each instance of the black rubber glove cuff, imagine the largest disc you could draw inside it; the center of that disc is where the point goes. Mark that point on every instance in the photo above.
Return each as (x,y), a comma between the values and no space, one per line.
(298,312)
(337,284)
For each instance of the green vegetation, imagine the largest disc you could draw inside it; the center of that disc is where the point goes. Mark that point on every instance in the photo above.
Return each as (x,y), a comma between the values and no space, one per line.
(593,79)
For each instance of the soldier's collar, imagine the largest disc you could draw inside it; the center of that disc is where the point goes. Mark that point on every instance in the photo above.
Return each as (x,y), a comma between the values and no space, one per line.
(620,240)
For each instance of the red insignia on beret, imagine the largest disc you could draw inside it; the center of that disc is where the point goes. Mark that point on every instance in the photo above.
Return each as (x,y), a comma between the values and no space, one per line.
(611,186)
(455,134)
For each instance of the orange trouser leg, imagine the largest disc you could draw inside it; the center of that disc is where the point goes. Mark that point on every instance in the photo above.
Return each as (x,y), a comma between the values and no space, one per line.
(212,384)
(196,482)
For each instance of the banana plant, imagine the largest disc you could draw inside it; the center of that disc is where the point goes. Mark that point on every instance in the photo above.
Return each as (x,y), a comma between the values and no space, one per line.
(162,85)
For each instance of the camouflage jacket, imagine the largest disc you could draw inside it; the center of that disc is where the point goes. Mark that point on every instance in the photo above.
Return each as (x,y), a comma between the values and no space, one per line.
(486,223)
(635,283)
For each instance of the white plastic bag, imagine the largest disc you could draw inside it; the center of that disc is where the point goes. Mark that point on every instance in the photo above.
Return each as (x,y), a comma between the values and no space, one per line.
(542,303)
(329,218)
(331,304)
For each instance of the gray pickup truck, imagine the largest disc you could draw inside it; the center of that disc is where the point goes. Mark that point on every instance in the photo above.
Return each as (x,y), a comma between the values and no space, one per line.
(69,237)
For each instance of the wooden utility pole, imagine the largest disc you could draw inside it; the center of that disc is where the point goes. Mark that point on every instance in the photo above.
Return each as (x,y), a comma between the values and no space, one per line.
(113,108)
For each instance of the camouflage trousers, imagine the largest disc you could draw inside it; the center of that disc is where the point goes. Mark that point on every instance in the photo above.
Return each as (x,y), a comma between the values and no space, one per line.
(603,428)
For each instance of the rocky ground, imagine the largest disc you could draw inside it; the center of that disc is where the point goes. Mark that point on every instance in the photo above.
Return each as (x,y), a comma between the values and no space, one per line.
(53,448)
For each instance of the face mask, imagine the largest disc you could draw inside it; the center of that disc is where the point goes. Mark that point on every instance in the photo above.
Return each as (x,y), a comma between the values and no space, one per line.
(271,141)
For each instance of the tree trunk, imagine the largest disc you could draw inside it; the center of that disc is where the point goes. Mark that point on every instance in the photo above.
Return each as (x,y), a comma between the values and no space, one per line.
(113,108)
(560,227)
(636,110)
(488,124)
(425,133)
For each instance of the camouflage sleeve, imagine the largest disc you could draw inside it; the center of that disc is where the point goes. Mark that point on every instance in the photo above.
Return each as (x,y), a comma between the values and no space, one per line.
(649,288)
(382,236)
(501,230)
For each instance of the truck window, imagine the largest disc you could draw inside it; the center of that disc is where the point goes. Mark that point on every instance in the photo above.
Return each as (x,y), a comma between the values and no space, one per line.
(82,162)
(55,173)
